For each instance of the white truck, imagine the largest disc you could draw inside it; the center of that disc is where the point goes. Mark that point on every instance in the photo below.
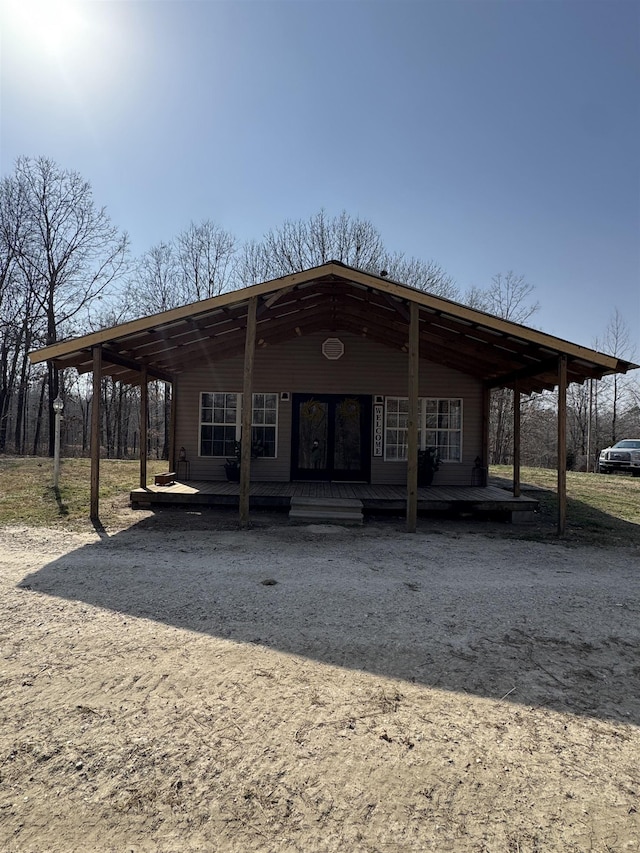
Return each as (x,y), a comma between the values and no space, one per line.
(622,456)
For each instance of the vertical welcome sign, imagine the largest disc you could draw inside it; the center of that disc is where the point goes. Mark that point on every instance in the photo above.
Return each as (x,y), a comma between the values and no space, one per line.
(378,443)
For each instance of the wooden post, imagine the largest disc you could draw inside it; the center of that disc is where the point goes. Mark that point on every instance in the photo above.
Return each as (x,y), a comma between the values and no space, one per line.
(516,441)
(172,429)
(95,434)
(486,420)
(247,411)
(412,426)
(562,444)
(144,418)
(589,422)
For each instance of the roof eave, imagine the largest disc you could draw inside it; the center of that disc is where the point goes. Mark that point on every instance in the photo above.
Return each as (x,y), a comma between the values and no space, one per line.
(334,269)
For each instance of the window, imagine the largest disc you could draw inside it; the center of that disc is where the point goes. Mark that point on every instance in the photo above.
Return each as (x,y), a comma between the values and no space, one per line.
(396,422)
(443,428)
(264,422)
(220,423)
(439,426)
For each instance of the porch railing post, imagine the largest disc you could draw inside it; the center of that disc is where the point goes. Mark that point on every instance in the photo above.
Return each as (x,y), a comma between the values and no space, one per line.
(144,418)
(516,441)
(247,411)
(562,444)
(412,426)
(95,433)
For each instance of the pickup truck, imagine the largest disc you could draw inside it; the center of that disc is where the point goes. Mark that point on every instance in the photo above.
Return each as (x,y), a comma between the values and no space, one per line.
(622,456)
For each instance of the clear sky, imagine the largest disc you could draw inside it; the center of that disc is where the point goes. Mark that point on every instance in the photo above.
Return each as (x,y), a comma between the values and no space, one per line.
(485,135)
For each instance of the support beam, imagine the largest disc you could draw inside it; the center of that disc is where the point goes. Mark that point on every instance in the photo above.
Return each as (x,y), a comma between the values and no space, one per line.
(486,420)
(173,456)
(562,444)
(247,408)
(412,426)
(95,433)
(589,423)
(539,369)
(144,419)
(516,441)
(111,357)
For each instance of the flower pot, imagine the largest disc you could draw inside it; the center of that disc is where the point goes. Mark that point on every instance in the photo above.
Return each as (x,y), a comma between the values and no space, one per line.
(232,470)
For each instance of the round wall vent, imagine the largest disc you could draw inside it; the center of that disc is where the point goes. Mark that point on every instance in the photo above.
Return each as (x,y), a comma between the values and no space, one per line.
(333,349)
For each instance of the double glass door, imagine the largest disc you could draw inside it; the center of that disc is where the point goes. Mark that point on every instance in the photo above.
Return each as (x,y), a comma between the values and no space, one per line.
(331,437)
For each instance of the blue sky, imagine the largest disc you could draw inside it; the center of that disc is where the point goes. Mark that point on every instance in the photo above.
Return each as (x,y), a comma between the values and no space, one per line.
(485,135)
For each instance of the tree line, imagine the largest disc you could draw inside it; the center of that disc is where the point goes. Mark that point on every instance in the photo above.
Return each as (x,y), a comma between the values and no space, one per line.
(66,269)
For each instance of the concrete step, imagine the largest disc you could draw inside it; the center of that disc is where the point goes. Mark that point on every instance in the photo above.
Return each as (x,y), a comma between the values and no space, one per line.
(324,515)
(337,510)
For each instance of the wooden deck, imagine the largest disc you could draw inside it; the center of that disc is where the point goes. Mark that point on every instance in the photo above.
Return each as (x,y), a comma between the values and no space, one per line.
(460,499)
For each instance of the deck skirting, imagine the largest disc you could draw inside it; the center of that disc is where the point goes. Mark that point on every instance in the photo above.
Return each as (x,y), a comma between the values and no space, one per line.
(375,498)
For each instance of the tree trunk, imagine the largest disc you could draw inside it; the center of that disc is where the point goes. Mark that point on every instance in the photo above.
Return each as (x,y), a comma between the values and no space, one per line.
(19,433)
(167,420)
(36,435)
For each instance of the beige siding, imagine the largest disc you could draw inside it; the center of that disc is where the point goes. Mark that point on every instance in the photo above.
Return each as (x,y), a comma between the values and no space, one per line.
(299,366)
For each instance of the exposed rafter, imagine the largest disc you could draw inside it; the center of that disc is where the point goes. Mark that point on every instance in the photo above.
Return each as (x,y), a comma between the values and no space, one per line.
(111,357)
(333,298)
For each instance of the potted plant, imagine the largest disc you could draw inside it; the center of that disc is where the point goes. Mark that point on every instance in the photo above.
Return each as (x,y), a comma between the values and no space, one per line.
(428,464)
(232,465)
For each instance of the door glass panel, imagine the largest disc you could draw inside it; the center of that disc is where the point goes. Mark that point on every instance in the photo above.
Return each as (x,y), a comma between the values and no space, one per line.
(347,449)
(313,434)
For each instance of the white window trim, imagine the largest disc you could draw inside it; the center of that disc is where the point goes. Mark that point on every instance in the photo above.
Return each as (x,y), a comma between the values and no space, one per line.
(238,423)
(276,395)
(423,417)
(386,428)
(422,429)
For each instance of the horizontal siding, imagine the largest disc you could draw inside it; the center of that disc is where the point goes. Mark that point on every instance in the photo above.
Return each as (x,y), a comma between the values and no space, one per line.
(298,366)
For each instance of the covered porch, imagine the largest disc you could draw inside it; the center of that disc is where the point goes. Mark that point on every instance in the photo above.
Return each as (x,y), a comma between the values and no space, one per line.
(461,500)
(414,327)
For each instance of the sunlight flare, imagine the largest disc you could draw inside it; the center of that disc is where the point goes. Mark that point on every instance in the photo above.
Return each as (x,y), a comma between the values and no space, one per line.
(50,25)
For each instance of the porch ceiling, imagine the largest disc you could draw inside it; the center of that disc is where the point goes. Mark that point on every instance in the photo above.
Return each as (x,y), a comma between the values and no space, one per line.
(333,298)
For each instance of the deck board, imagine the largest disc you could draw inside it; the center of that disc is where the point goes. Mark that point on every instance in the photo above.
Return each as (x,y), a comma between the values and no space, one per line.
(211,493)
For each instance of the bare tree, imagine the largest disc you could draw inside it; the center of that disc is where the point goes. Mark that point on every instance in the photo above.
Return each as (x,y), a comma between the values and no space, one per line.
(204,255)
(253,264)
(424,275)
(197,264)
(617,342)
(300,244)
(16,301)
(579,404)
(154,285)
(508,296)
(68,252)
(538,430)
(158,283)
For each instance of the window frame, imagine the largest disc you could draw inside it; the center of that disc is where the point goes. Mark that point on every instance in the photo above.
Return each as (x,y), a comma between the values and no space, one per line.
(441,429)
(237,424)
(422,427)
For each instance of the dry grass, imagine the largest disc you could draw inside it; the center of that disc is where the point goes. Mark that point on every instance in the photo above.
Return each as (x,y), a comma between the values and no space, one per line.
(602,510)
(28,497)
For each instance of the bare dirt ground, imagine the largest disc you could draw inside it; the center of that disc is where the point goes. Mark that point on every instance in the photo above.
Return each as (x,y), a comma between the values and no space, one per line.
(180,685)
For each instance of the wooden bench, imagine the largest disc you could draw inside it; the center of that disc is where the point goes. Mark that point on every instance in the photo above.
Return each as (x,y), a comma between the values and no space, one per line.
(166,479)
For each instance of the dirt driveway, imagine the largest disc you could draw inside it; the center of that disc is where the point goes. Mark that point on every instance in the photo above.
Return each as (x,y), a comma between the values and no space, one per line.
(180,685)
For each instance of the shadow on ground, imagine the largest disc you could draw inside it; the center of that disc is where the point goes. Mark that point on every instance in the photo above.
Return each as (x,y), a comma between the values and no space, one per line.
(530,622)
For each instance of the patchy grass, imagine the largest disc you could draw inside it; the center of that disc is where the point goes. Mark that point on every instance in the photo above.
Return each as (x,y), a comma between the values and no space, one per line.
(601,510)
(27,495)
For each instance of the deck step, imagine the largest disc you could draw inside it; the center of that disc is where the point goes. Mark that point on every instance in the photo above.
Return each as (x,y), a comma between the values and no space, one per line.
(337,510)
